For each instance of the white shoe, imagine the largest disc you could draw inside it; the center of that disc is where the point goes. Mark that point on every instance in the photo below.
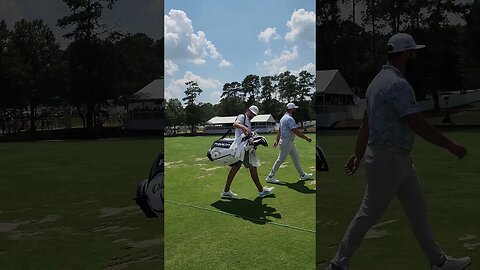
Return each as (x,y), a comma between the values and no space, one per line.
(266,191)
(271,179)
(306,176)
(454,263)
(228,194)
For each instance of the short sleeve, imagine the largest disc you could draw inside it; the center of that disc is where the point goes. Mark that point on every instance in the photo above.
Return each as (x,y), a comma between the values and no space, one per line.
(402,97)
(290,123)
(240,119)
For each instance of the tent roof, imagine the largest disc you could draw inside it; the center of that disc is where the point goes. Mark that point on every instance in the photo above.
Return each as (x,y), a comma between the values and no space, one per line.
(153,90)
(332,82)
(230,119)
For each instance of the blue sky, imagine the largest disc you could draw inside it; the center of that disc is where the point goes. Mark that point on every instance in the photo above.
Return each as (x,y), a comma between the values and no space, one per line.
(216,41)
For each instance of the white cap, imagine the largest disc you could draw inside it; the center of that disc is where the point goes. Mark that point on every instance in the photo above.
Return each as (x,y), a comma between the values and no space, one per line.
(291,106)
(253,109)
(402,42)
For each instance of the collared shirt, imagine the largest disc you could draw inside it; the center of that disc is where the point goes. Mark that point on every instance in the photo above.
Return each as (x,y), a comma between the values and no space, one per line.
(389,98)
(287,123)
(242,119)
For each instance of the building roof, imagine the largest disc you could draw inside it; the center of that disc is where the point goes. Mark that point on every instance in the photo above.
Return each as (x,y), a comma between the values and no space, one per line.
(217,120)
(151,91)
(332,82)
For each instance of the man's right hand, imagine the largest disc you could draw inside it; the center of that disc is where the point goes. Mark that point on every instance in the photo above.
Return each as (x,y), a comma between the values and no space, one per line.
(246,131)
(458,150)
(352,164)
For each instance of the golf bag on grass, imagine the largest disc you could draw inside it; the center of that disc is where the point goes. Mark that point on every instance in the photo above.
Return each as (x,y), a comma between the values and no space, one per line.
(150,192)
(321,161)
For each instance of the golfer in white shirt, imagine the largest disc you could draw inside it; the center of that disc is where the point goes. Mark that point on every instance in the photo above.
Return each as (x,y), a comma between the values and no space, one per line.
(285,139)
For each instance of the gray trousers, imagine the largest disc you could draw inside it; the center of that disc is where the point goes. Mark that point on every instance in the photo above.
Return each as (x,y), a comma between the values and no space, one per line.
(287,147)
(389,174)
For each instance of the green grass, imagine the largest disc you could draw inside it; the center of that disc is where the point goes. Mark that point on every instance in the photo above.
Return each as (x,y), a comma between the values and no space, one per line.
(452,190)
(68,205)
(203,239)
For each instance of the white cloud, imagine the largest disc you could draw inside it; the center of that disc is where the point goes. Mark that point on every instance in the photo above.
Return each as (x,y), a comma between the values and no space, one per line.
(224,63)
(302,26)
(170,67)
(181,42)
(279,63)
(267,34)
(176,88)
(310,67)
(268,52)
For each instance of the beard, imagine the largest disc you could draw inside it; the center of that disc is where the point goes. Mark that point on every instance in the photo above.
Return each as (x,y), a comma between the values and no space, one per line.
(410,71)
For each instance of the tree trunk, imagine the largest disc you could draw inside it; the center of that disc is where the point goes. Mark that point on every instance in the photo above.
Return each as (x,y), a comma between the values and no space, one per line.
(33,115)
(90,115)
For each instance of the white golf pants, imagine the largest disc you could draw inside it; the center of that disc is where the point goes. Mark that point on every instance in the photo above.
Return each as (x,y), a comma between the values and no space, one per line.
(389,174)
(287,147)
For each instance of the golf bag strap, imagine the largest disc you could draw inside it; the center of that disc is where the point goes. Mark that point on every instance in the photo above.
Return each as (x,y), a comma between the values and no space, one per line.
(230,129)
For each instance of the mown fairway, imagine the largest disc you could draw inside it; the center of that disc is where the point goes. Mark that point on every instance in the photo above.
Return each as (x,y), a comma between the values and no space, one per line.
(205,232)
(68,205)
(452,189)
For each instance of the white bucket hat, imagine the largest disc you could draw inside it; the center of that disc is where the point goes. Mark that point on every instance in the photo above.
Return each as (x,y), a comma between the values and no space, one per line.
(253,109)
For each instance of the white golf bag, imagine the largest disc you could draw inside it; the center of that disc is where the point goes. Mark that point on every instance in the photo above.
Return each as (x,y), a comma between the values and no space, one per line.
(150,192)
(223,151)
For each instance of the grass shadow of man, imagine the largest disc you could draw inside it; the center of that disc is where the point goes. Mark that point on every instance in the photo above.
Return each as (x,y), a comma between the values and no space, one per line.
(298,186)
(254,211)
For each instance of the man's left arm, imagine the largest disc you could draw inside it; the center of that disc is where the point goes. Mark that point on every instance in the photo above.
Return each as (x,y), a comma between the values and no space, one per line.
(300,134)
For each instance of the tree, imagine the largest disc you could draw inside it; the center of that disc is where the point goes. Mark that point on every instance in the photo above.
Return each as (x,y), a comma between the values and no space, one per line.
(174,114)
(267,88)
(306,83)
(251,88)
(192,111)
(231,89)
(287,86)
(328,19)
(5,94)
(37,60)
(132,61)
(230,106)
(207,111)
(85,53)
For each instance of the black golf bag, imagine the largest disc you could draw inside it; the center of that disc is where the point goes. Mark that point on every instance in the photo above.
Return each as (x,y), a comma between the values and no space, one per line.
(150,192)
(321,161)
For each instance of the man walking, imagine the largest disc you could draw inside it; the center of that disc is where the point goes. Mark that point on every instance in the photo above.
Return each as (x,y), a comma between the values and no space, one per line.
(243,127)
(390,121)
(285,139)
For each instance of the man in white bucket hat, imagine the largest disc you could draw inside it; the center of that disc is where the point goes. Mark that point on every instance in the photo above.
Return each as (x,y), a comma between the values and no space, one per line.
(285,139)
(390,121)
(243,126)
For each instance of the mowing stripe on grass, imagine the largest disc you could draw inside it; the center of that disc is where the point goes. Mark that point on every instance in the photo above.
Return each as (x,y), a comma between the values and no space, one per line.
(233,215)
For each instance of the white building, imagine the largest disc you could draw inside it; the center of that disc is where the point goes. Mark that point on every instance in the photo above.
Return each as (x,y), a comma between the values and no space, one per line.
(262,123)
(336,101)
(145,111)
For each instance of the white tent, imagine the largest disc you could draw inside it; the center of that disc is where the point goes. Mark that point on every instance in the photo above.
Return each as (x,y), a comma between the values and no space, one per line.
(262,123)
(332,82)
(145,111)
(333,89)
(152,91)
(335,99)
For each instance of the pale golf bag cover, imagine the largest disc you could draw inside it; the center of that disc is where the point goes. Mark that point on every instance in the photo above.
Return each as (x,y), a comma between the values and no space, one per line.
(222,151)
(150,192)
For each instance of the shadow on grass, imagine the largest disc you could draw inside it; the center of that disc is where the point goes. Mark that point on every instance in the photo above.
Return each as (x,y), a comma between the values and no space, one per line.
(299,186)
(254,211)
